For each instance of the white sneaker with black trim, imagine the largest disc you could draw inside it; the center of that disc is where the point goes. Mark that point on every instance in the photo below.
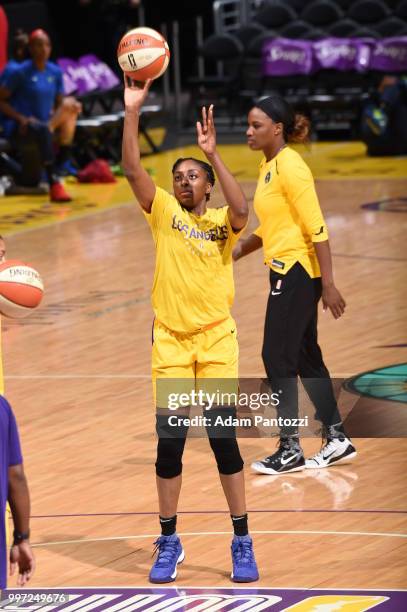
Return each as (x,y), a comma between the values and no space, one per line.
(286,459)
(336,450)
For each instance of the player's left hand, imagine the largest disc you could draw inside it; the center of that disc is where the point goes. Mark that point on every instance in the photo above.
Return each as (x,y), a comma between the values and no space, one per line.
(332,299)
(206,132)
(22,558)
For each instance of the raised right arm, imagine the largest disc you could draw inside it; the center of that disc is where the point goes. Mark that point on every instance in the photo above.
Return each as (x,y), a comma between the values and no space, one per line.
(141,183)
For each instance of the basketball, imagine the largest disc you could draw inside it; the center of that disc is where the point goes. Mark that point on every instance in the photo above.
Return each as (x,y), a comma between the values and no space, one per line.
(143,54)
(21,289)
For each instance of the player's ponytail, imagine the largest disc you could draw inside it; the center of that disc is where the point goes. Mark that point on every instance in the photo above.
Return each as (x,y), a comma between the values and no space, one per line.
(296,127)
(299,132)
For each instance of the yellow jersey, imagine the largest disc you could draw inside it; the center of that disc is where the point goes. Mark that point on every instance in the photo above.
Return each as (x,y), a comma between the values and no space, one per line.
(193,281)
(289,213)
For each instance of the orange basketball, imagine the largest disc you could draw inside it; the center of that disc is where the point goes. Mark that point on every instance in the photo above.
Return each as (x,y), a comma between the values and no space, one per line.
(143,54)
(21,289)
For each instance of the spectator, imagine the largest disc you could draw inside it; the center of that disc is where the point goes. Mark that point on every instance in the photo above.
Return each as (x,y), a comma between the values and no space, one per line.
(384,118)
(20,52)
(35,113)
(14,489)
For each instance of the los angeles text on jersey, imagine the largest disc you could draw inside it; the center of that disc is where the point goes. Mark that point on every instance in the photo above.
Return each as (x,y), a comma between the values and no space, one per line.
(219,232)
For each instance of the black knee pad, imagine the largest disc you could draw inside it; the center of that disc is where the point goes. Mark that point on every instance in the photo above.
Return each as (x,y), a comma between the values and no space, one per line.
(227,455)
(169,457)
(170,448)
(222,438)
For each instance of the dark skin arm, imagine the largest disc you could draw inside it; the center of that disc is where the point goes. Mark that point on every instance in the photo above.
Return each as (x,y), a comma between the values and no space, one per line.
(141,183)
(21,555)
(238,210)
(331,298)
(245,247)
(9,111)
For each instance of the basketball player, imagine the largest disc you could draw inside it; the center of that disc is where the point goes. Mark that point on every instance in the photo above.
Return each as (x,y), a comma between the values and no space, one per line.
(13,487)
(194,336)
(294,237)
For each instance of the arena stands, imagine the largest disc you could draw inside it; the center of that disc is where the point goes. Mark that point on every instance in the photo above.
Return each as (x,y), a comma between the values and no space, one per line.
(325,56)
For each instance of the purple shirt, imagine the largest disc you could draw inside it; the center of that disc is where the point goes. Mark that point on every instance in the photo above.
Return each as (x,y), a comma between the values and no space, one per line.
(10,454)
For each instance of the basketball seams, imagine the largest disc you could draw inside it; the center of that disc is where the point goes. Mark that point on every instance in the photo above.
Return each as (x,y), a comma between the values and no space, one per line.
(21,289)
(143,54)
(142,73)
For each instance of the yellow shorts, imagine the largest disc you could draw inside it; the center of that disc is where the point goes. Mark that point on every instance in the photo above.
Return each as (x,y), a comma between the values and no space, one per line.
(187,359)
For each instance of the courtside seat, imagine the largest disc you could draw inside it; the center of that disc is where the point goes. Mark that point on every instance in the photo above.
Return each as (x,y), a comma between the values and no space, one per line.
(100,135)
(342,28)
(392,26)
(247,33)
(296,29)
(275,14)
(321,13)
(401,10)
(222,87)
(364,32)
(368,11)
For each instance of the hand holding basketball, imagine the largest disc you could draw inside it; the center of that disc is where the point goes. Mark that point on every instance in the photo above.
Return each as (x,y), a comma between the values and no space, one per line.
(206,131)
(135,93)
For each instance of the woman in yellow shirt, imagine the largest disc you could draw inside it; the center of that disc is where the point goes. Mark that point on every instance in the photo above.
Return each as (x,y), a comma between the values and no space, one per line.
(294,238)
(194,335)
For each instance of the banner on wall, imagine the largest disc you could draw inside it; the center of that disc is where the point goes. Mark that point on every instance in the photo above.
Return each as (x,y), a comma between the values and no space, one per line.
(287,57)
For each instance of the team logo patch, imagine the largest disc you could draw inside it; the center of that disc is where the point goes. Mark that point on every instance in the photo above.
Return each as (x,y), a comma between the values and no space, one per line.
(278,264)
(267,178)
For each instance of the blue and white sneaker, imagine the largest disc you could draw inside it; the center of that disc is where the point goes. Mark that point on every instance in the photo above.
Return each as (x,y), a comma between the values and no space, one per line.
(244,563)
(170,553)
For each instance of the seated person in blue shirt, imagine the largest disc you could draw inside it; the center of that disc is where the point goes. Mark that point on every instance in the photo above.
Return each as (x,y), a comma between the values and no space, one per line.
(35,113)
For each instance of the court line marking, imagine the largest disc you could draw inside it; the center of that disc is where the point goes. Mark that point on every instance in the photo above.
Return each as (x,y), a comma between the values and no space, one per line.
(259,375)
(122,514)
(208,588)
(74,376)
(228,533)
(370,257)
(178,587)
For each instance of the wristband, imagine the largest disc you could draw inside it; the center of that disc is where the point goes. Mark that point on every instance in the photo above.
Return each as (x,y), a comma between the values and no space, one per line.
(20,536)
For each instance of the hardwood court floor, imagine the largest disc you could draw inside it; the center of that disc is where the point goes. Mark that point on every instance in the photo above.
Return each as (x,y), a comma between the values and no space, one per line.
(77,374)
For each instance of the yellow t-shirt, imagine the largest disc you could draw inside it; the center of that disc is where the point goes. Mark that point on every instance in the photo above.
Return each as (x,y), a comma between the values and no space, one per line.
(290,216)
(193,281)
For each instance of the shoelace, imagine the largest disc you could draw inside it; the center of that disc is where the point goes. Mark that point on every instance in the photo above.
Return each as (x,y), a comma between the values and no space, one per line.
(244,551)
(166,550)
(283,450)
(326,447)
